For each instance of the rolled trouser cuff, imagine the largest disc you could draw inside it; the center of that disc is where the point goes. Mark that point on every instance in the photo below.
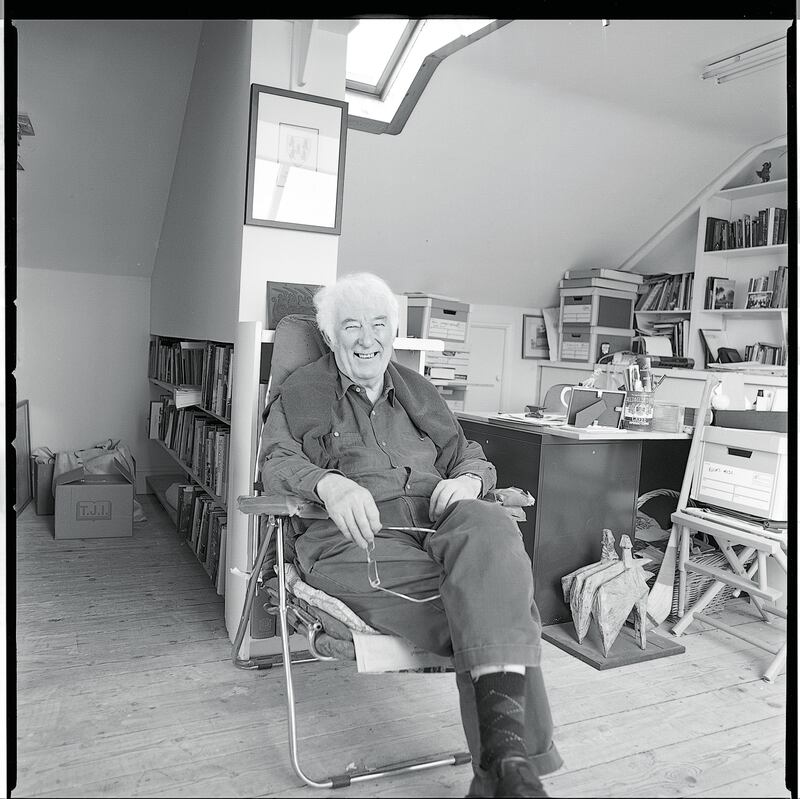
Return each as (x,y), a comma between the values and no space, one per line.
(497,654)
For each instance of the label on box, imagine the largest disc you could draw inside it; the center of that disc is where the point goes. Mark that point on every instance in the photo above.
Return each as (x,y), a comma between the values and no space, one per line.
(734,484)
(92,511)
(447,328)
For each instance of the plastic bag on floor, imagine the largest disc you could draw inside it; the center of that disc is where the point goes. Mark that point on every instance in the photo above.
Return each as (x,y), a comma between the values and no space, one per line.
(105,457)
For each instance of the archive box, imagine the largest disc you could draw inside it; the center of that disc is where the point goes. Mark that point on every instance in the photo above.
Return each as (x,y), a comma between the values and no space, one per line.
(437,317)
(742,470)
(599,307)
(585,344)
(94,505)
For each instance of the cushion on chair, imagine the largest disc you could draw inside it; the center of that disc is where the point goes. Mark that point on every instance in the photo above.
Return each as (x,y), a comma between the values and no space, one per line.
(298,342)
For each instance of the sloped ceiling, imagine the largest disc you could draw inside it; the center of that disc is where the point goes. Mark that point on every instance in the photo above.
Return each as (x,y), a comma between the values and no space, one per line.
(548,145)
(106,99)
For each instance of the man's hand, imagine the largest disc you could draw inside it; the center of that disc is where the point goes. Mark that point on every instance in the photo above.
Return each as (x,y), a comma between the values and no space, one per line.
(351,507)
(449,491)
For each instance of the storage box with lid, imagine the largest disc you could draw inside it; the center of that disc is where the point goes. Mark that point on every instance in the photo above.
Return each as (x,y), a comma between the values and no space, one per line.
(742,470)
(597,307)
(434,316)
(587,343)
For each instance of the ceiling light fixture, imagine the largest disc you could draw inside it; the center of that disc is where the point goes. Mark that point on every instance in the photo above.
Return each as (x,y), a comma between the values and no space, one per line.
(746,62)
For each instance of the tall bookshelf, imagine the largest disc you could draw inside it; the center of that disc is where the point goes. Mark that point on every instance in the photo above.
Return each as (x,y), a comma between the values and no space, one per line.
(190,421)
(742,326)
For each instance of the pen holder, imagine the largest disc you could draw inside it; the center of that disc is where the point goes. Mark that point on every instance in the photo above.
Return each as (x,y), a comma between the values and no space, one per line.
(637,411)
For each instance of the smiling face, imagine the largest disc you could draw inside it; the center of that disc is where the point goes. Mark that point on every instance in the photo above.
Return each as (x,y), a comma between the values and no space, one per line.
(362,341)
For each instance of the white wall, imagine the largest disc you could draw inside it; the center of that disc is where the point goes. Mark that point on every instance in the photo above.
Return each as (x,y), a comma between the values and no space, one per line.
(195,284)
(274,253)
(520,376)
(82,360)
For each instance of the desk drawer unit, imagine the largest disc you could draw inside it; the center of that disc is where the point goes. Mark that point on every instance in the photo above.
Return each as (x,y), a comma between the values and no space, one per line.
(743,470)
(598,307)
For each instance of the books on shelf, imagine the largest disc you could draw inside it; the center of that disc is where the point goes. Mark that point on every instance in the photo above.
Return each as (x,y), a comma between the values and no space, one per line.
(175,361)
(216,387)
(198,441)
(761,229)
(666,292)
(599,272)
(764,353)
(676,331)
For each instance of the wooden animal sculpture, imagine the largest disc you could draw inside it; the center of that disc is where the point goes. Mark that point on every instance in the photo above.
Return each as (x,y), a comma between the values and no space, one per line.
(607,555)
(616,597)
(763,173)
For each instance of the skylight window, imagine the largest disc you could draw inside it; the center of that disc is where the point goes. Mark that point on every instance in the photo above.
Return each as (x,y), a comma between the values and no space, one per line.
(390,61)
(374,47)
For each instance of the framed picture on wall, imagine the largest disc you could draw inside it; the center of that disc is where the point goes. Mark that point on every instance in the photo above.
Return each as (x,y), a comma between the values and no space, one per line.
(288,298)
(22,447)
(534,336)
(295,160)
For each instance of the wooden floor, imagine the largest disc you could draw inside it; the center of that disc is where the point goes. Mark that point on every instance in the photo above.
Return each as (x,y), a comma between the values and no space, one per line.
(126,688)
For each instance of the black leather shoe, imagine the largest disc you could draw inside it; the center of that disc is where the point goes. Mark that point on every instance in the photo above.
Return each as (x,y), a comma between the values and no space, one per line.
(516,777)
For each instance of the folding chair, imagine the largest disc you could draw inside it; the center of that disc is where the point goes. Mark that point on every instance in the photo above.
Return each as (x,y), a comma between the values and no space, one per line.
(297,342)
(754,539)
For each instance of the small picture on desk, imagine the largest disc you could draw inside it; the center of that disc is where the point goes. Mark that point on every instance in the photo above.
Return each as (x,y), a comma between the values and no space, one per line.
(534,337)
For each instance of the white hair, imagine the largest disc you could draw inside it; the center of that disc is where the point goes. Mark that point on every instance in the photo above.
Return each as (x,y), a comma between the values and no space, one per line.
(357,286)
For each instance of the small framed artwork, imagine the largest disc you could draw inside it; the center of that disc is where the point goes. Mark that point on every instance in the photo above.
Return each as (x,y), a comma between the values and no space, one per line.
(534,337)
(22,447)
(288,298)
(295,160)
(712,341)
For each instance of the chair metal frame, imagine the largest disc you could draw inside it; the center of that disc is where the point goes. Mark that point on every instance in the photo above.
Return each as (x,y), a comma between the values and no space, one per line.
(293,616)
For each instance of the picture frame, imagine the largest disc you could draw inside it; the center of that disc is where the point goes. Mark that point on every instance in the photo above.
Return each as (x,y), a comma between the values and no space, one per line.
(289,298)
(295,160)
(712,341)
(758,299)
(22,447)
(534,337)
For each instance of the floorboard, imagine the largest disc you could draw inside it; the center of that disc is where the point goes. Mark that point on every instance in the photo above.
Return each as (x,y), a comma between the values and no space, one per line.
(125,688)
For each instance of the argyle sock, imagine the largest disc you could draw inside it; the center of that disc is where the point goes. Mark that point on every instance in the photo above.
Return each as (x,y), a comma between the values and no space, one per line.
(500,701)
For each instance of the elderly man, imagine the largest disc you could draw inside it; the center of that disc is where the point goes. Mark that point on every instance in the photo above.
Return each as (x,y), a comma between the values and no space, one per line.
(376,444)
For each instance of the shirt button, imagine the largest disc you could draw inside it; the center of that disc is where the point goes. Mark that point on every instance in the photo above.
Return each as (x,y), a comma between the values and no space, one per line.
(358,390)
(383,443)
(373,413)
(336,433)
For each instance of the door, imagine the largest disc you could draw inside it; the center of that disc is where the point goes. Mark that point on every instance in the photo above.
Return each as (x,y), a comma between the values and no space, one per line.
(487,345)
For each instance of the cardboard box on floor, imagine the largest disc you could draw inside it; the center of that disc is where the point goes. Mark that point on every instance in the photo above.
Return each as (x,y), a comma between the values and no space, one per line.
(94,505)
(43,488)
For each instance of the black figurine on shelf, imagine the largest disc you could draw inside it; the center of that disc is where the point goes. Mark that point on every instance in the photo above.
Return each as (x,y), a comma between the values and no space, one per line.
(764,173)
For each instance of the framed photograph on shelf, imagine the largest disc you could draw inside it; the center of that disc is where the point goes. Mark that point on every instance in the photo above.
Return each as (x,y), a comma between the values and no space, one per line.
(288,298)
(723,291)
(22,447)
(295,160)
(534,337)
(759,299)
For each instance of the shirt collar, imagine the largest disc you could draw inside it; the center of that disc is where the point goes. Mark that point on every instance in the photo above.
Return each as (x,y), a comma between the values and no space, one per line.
(345,382)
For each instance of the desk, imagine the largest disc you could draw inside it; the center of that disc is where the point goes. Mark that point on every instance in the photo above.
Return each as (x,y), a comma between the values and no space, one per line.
(581,484)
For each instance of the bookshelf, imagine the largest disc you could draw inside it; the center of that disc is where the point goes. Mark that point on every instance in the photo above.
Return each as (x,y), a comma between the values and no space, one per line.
(741,326)
(190,421)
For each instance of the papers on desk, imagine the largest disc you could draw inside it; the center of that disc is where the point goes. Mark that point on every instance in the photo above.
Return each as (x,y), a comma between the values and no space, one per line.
(546,420)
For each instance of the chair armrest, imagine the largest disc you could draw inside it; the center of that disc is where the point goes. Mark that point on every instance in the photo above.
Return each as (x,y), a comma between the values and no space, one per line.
(281,505)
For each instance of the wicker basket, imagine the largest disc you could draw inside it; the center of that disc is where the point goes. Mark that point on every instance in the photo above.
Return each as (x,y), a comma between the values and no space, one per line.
(696,583)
